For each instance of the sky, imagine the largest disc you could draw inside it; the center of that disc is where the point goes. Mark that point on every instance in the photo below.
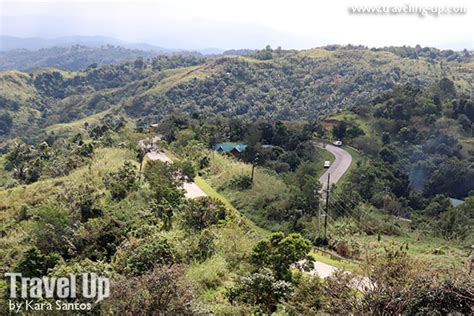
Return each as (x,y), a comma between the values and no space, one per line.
(199,24)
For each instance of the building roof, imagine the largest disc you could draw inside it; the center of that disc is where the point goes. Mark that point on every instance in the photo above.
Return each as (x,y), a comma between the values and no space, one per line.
(229,147)
(455,202)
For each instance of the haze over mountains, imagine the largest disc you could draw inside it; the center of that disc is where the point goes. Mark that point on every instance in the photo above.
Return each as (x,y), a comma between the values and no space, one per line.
(79,52)
(237,158)
(35,43)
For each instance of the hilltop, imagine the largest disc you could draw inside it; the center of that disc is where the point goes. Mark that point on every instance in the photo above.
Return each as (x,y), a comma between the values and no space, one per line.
(74,57)
(269,84)
(79,194)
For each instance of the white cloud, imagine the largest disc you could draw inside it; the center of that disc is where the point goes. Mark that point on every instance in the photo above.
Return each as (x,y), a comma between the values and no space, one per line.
(243,23)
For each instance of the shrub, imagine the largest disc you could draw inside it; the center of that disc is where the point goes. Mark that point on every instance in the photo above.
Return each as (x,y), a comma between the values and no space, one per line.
(206,244)
(262,289)
(149,252)
(279,252)
(241,182)
(187,168)
(123,181)
(405,286)
(51,231)
(204,212)
(98,238)
(35,264)
(308,297)
(209,274)
(163,291)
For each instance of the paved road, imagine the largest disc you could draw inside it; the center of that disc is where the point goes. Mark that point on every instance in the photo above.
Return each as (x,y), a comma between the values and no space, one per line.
(158,155)
(191,188)
(324,271)
(338,167)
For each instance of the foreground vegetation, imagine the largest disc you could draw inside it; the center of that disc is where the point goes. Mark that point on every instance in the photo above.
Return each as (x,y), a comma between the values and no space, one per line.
(79,197)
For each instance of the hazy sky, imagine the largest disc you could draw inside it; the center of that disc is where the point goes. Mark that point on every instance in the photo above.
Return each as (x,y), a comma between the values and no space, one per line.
(197,24)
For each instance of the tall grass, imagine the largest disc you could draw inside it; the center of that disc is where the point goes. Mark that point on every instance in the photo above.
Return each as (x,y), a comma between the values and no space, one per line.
(105,160)
(268,190)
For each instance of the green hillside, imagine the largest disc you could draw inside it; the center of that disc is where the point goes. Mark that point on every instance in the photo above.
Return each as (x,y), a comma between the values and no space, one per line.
(78,192)
(270,84)
(73,58)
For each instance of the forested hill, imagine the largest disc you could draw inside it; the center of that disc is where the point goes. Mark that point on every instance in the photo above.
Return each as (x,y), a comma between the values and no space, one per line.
(75,57)
(269,84)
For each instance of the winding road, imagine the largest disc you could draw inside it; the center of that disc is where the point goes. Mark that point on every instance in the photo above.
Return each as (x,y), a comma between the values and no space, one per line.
(338,168)
(192,190)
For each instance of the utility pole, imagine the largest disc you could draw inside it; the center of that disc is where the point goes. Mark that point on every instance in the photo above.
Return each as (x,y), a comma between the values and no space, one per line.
(319,215)
(254,163)
(385,198)
(327,209)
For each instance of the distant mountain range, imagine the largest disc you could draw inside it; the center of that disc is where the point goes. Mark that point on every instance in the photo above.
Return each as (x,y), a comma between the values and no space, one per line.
(73,57)
(8,43)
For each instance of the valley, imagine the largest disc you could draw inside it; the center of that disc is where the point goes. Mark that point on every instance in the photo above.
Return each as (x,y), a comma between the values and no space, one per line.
(83,189)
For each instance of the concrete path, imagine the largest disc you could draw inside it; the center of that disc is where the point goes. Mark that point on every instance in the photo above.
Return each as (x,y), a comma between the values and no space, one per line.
(191,188)
(157,155)
(324,270)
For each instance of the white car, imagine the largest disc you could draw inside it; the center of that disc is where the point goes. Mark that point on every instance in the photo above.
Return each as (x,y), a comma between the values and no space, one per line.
(327,164)
(337,143)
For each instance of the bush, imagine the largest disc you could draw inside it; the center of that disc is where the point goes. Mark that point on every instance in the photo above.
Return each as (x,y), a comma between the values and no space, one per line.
(261,289)
(163,291)
(35,264)
(148,252)
(405,286)
(280,252)
(241,182)
(308,297)
(209,274)
(51,231)
(204,212)
(98,238)
(188,169)
(343,248)
(206,244)
(123,181)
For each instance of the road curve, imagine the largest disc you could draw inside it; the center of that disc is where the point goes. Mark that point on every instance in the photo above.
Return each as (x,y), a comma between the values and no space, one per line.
(338,168)
(192,190)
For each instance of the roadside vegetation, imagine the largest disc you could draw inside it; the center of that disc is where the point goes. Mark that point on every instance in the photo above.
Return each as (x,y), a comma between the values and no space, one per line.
(78,195)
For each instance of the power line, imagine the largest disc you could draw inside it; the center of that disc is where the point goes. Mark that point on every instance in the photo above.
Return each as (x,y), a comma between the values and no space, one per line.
(327,209)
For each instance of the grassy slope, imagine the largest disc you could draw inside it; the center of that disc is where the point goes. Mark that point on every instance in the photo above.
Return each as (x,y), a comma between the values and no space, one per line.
(18,86)
(76,126)
(362,122)
(267,186)
(105,160)
(419,246)
(438,252)
(384,61)
(12,200)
